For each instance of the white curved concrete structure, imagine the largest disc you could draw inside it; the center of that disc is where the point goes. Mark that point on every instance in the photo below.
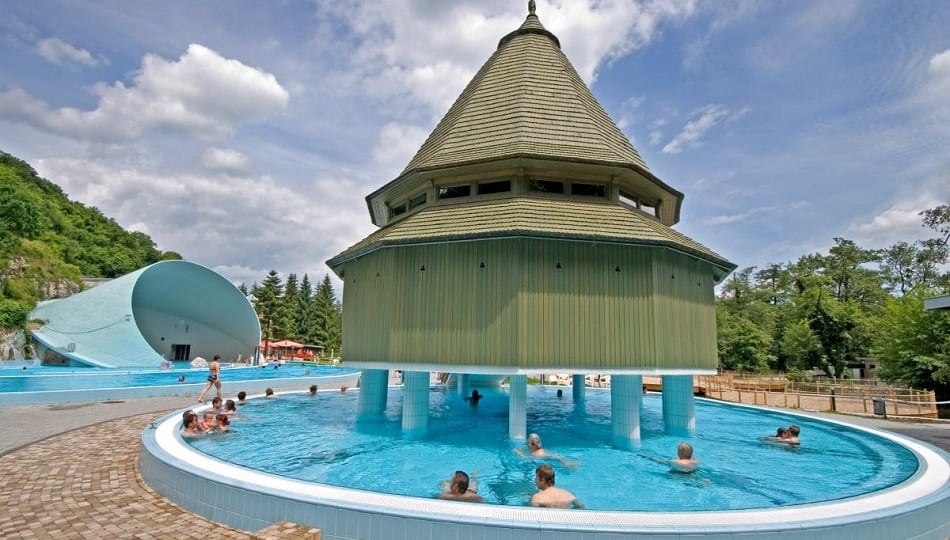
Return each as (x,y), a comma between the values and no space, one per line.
(150,315)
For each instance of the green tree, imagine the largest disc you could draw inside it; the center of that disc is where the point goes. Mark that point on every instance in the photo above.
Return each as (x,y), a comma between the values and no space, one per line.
(834,331)
(288,308)
(938,219)
(913,345)
(800,347)
(268,305)
(743,346)
(306,319)
(328,316)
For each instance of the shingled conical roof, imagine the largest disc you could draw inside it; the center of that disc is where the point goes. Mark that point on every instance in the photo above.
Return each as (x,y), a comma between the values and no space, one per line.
(527,100)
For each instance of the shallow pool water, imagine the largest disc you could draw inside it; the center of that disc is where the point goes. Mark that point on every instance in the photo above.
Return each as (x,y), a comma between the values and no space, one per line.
(316,439)
(36,379)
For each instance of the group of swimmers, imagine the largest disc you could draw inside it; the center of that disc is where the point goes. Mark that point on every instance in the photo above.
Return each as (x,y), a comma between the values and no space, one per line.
(461,488)
(217,419)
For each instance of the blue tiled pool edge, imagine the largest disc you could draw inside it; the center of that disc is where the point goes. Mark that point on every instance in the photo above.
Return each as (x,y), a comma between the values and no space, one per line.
(250,501)
(45,397)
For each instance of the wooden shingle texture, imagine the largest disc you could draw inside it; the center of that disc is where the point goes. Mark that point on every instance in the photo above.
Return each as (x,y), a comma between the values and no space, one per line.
(527,100)
(526,216)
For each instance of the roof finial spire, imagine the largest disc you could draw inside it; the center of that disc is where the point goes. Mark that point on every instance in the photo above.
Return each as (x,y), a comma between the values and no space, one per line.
(531,7)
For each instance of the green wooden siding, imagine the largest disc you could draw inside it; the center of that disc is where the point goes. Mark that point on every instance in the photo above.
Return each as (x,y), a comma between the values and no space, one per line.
(520,311)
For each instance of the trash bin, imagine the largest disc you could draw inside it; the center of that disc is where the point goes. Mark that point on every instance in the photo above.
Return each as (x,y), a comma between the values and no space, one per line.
(879,406)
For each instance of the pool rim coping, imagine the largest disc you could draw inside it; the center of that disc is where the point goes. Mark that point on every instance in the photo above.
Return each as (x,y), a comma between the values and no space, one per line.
(928,485)
(45,397)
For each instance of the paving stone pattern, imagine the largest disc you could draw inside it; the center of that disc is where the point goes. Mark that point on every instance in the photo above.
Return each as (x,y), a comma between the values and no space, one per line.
(85,484)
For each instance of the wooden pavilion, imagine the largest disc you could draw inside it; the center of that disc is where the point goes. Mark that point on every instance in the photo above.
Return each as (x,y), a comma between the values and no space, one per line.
(527,235)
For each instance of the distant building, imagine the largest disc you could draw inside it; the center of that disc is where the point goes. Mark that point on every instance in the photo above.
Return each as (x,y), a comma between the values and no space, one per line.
(937,302)
(171,310)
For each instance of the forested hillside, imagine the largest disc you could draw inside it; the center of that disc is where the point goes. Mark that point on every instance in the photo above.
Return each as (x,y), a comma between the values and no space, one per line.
(48,242)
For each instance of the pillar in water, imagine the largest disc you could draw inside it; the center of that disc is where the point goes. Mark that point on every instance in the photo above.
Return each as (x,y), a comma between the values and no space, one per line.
(415,404)
(626,395)
(517,407)
(464,382)
(679,410)
(578,388)
(374,384)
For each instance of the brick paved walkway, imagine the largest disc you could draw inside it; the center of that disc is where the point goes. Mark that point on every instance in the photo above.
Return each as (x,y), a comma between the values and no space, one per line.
(85,484)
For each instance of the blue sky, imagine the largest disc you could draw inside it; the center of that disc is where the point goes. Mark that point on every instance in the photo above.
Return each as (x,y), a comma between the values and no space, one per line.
(245,134)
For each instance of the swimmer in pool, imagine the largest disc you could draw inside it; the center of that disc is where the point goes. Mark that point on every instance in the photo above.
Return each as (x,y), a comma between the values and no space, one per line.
(459,489)
(549,495)
(684,462)
(536,451)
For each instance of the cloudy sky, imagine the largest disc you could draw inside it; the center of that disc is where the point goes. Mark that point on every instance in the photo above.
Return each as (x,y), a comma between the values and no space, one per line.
(246,134)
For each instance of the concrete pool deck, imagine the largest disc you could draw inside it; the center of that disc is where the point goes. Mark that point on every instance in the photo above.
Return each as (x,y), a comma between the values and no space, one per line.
(47,492)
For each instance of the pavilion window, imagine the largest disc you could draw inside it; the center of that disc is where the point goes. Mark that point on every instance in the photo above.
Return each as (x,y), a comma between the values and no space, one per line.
(650,208)
(398,210)
(627,198)
(454,192)
(546,186)
(487,188)
(417,201)
(589,190)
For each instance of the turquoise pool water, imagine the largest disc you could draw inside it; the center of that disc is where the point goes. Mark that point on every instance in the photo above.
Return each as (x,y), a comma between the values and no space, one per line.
(314,439)
(37,379)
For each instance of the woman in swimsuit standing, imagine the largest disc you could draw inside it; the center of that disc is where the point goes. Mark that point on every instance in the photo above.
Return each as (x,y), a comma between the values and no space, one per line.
(214,377)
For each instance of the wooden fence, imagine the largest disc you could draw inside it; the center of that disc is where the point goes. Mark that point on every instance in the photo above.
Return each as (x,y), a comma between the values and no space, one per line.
(846,397)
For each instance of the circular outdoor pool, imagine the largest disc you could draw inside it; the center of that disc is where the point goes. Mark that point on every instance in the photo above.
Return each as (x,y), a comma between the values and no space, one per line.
(319,441)
(306,459)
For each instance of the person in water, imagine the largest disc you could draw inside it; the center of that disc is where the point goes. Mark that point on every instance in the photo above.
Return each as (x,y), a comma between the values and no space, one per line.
(474,398)
(684,462)
(536,451)
(190,424)
(549,495)
(458,489)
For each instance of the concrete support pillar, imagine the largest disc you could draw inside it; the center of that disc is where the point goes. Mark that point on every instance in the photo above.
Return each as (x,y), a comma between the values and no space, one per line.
(374,383)
(679,410)
(518,407)
(578,387)
(464,382)
(626,395)
(415,404)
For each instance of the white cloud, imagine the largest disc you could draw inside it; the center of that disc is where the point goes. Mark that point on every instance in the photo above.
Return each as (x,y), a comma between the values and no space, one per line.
(221,159)
(396,145)
(935,95)
(726,218)
(694,130)
(202,94)
(58,51)
(223,221)
(427,51)
(901,221)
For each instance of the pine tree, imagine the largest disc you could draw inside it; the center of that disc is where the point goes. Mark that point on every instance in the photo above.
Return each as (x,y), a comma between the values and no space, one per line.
(268,305)
(328,315)
(305,319)
(288,308)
